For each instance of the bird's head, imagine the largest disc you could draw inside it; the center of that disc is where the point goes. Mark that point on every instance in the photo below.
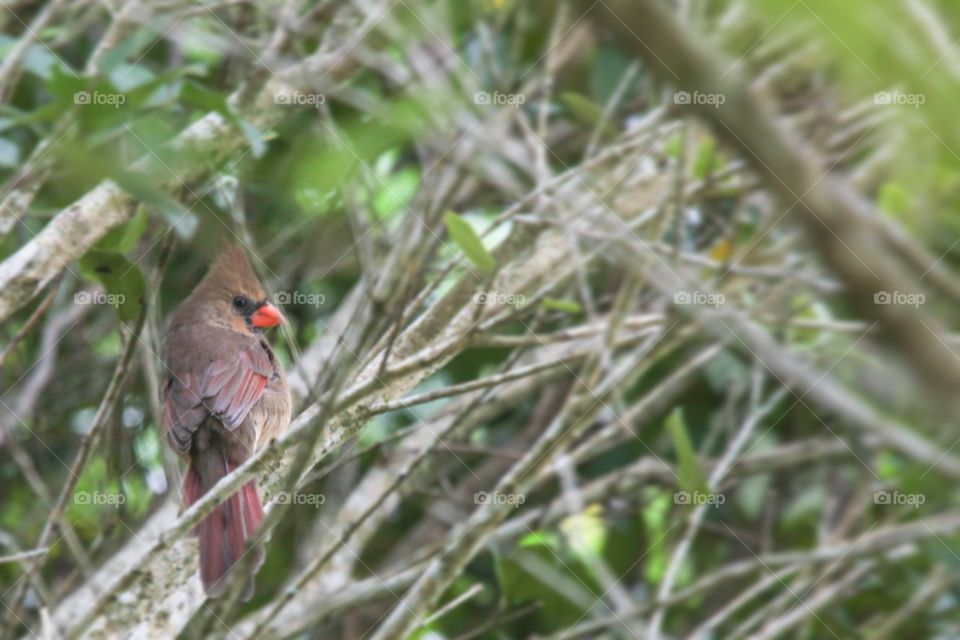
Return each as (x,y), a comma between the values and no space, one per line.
(232,296)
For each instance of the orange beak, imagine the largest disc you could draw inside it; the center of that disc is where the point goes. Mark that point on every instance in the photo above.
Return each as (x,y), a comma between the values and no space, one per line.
(266,316)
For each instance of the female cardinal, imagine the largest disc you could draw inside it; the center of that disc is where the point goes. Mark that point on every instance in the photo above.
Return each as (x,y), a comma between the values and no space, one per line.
(225,395)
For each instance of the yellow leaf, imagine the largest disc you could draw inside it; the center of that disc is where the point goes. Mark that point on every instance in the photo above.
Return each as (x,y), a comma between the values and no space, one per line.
(721,251)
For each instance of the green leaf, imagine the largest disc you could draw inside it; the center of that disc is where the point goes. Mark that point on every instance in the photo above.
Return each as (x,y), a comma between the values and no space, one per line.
(690,474)
(586,533)
(888,466)
(148,448)
(396,192)
(673,146)
(806,507)
(726,368)
(63,84)
(142,90)
(47,113)
(582,107)
(378,430)
(184,222)
(706,161)
(39,60)
(752,494)
(567,306)
(200,44)
(607,71)
(122,239)
(197,95)
(150,136)
(539,539)
(528,574)
(463,234)
(125,50)
(655,523)
(138,495)
(87,508)
(894,199)
(122,280)
(586,111)
(129,76)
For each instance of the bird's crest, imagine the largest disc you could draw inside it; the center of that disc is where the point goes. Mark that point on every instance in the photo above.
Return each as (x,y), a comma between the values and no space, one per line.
(233,273)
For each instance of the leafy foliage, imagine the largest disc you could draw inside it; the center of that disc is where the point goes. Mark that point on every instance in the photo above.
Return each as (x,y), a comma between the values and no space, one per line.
(424,128)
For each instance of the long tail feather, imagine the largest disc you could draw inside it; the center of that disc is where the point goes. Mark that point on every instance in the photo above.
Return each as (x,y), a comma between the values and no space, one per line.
(224,533)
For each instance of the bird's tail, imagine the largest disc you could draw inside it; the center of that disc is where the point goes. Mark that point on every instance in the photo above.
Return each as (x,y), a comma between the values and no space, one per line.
(223,534)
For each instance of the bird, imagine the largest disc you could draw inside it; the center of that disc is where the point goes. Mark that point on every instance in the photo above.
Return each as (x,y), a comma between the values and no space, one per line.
(225,395)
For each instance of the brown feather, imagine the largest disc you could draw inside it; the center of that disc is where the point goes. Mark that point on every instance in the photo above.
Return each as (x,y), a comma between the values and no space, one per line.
(230,275)
(225,395)
(232,272)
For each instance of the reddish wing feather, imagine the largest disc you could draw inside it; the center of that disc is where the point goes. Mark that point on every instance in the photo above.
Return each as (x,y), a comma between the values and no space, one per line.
(231,391)
(226,389)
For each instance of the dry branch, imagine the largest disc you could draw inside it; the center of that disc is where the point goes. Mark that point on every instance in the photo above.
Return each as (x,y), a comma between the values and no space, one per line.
(839,222)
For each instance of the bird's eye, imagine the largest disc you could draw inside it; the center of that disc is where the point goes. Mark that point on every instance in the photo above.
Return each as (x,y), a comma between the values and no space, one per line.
(240,303)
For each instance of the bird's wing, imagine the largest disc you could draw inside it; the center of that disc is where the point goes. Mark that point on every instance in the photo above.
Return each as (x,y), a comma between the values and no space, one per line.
(231,388)
(220,375)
